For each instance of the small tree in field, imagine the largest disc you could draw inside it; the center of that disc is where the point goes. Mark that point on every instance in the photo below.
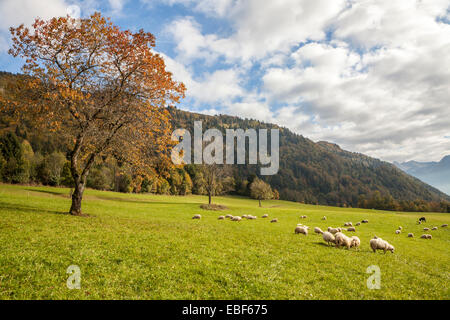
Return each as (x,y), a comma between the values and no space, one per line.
(260,190)
(101,87)
(213,175)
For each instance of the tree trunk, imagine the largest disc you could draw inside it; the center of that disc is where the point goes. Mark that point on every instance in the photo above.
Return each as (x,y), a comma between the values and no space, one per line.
(77,196)
(259,202)
(209,198)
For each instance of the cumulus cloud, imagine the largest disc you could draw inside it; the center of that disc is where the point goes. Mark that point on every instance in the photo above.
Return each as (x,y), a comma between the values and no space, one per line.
(218,87)
(259,29)
(370,75)
(16,12)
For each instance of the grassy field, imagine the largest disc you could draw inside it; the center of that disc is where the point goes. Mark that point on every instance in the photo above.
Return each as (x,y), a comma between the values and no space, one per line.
(148,247)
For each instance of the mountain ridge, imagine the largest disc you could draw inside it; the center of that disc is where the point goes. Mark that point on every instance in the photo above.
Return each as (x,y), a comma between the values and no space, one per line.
(435,173)
(320,172)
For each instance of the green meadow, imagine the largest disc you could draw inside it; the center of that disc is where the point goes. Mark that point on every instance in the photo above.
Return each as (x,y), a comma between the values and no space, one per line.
(134,246)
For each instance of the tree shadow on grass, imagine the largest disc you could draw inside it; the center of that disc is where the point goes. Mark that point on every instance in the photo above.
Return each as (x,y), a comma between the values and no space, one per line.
(142,201)
(29,209)
(65,195)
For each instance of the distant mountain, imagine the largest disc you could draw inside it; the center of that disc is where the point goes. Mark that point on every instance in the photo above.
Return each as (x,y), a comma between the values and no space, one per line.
(320,172)
(434,173)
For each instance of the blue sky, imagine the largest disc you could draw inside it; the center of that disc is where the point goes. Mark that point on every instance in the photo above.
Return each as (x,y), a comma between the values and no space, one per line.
(371,76)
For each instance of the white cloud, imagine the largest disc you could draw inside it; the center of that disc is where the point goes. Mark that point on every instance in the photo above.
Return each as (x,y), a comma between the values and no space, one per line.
(378,83)
(259,30)
(117,5)
(16,12)
(220,86)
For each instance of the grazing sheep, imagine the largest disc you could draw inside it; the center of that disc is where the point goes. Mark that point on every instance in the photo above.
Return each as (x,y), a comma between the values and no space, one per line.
(426,236)
(429,236)
(444,225)
(328,237)
(400,228)
(398,231)
(358,223)
(351,229)
(250,217)
(197,216)
(244,216)
(318,230)
(265,215)
(342,240)
(237,218)
(356,242)
(380,244)
(301,230)
(221,217)
(324,218)
(410,235)
(426,229)
(229,216)
(334,230)
(303,217)
(274,220)
(348,224)
(365,221)
(434,228)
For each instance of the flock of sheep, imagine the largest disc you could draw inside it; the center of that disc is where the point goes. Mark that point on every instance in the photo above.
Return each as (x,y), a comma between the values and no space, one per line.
(335,235)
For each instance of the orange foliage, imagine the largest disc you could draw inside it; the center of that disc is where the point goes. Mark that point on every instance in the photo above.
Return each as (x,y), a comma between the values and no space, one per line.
(103,88)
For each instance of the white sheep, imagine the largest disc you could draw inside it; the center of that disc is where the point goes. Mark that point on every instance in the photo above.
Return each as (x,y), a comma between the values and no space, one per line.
(356,242)
(244,216)
(426,229)
(358,223)
(400,228)
(434,228)
(351,229)
(301,230)
(221,217)
(197,216)
(303,217)
(274,220)
(229,216)
(444,225)
(348,224)
(334,230)
(398,231)
(328,237)
(324,218)
(236,218)
(318,230)
(426,236)
(265,215)
(365,221)
(342,240)
(410,235)
(380,244)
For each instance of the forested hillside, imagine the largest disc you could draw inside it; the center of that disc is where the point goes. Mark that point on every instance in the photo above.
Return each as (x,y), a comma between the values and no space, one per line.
(322,172)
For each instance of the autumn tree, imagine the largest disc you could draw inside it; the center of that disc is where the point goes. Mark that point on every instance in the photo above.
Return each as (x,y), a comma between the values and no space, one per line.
(102,88)
(260,190)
